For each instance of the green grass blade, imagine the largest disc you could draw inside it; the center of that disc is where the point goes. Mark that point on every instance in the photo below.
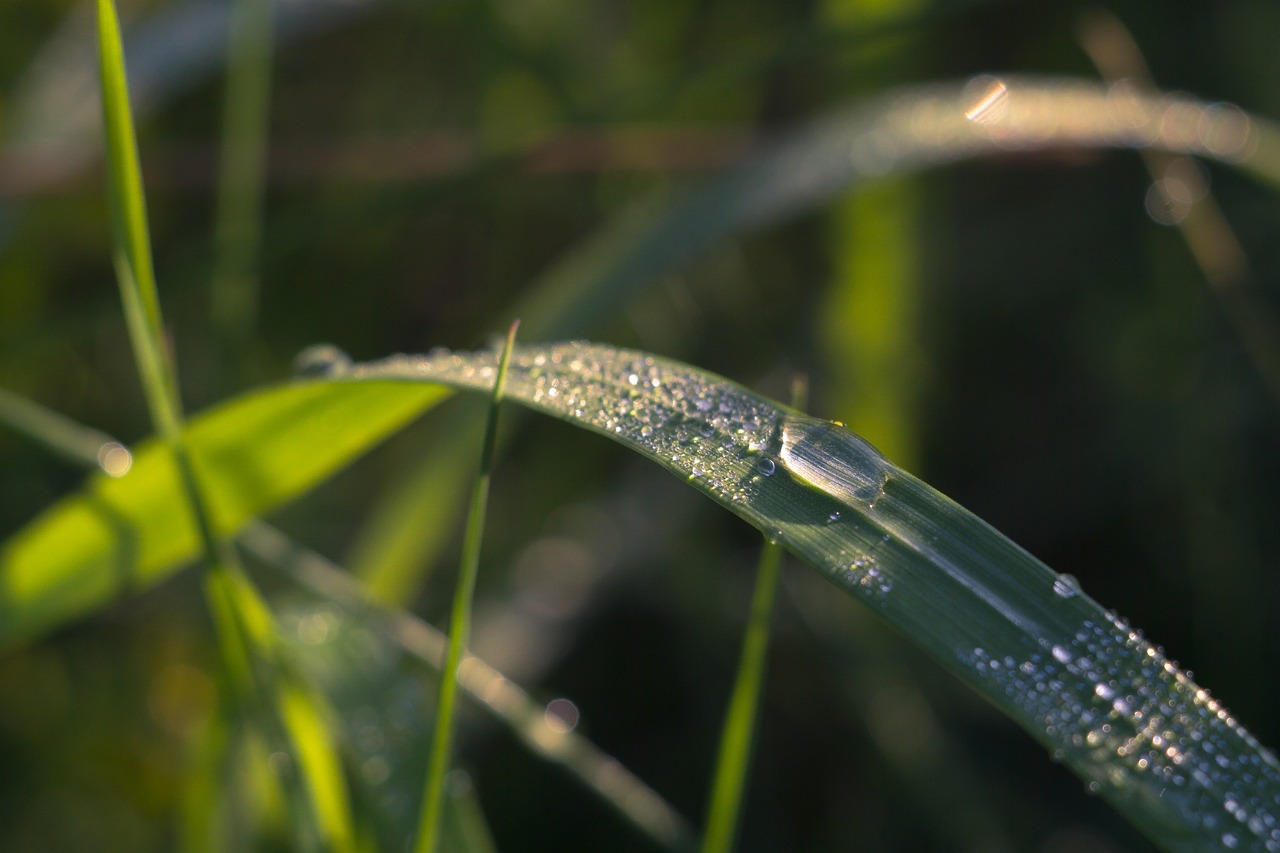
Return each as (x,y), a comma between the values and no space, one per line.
(253,454)
(1078,678)
(906,130)
(460,617)
(131,243)
(740,722)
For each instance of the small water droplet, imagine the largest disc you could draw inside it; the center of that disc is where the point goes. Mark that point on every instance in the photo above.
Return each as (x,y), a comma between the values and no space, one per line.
(988,99)
(321,360)
(114,459)
(1066,586)
(766,467)
(833,518)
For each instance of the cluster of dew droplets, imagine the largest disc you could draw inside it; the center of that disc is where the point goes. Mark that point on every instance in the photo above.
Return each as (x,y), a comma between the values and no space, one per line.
(707,428)
(1129,715)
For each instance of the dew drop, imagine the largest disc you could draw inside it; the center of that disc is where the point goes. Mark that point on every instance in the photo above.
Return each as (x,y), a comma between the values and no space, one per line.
(988,99)
(1066,586)
(114,459)
(321,360)
(833,460)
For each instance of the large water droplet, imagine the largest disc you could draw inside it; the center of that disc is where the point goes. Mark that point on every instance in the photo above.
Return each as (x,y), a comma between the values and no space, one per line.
(833,460)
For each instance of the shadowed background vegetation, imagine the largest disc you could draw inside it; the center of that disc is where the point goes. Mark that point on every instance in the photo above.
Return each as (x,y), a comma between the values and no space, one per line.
(1016,330)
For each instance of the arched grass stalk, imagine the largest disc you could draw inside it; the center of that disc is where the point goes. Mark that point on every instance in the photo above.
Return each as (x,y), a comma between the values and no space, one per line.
(1081,680)
(246,633)
(460,616)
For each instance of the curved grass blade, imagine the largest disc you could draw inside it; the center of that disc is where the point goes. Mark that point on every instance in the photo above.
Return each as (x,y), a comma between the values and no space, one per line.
(905,130)
(1078,678)
(252,454)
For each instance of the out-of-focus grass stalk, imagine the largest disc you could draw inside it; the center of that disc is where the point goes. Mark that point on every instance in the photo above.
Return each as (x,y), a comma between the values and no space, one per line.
(734,759)
(526,718)
(65,437)
(245,628)
(242,175)
(1181,187)
(460,618)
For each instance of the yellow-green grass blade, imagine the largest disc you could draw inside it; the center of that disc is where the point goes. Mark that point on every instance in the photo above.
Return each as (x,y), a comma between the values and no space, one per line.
(252,454)
(1082,681)
(131,242)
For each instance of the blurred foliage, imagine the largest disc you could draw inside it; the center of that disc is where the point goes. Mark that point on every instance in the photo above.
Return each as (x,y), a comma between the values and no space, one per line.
(1080,389)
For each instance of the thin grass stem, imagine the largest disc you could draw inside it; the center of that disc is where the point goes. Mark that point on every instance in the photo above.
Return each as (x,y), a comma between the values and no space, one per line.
(242,176)
(734,758)
(460,618)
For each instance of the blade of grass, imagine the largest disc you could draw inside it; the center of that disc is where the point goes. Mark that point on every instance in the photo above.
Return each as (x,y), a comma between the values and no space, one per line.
(246,633)
(1078,678)
(599,773)
(1208,235)
(460,617)
(253,454)
(239,212)
(734,758)
(905,130)
(63,436)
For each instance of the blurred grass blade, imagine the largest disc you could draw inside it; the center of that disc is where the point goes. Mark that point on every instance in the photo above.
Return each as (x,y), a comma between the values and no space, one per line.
(1078,678)
(131,243)
(415,516)
(460,616)
(71,440)
(599,773)
(905,130)
(253,454)
(246,631)
(242,174)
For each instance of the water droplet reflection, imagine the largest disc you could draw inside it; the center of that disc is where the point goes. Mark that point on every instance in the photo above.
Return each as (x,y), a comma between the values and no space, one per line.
(989,99)
(561,715)
(115,459)
(1066,586)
